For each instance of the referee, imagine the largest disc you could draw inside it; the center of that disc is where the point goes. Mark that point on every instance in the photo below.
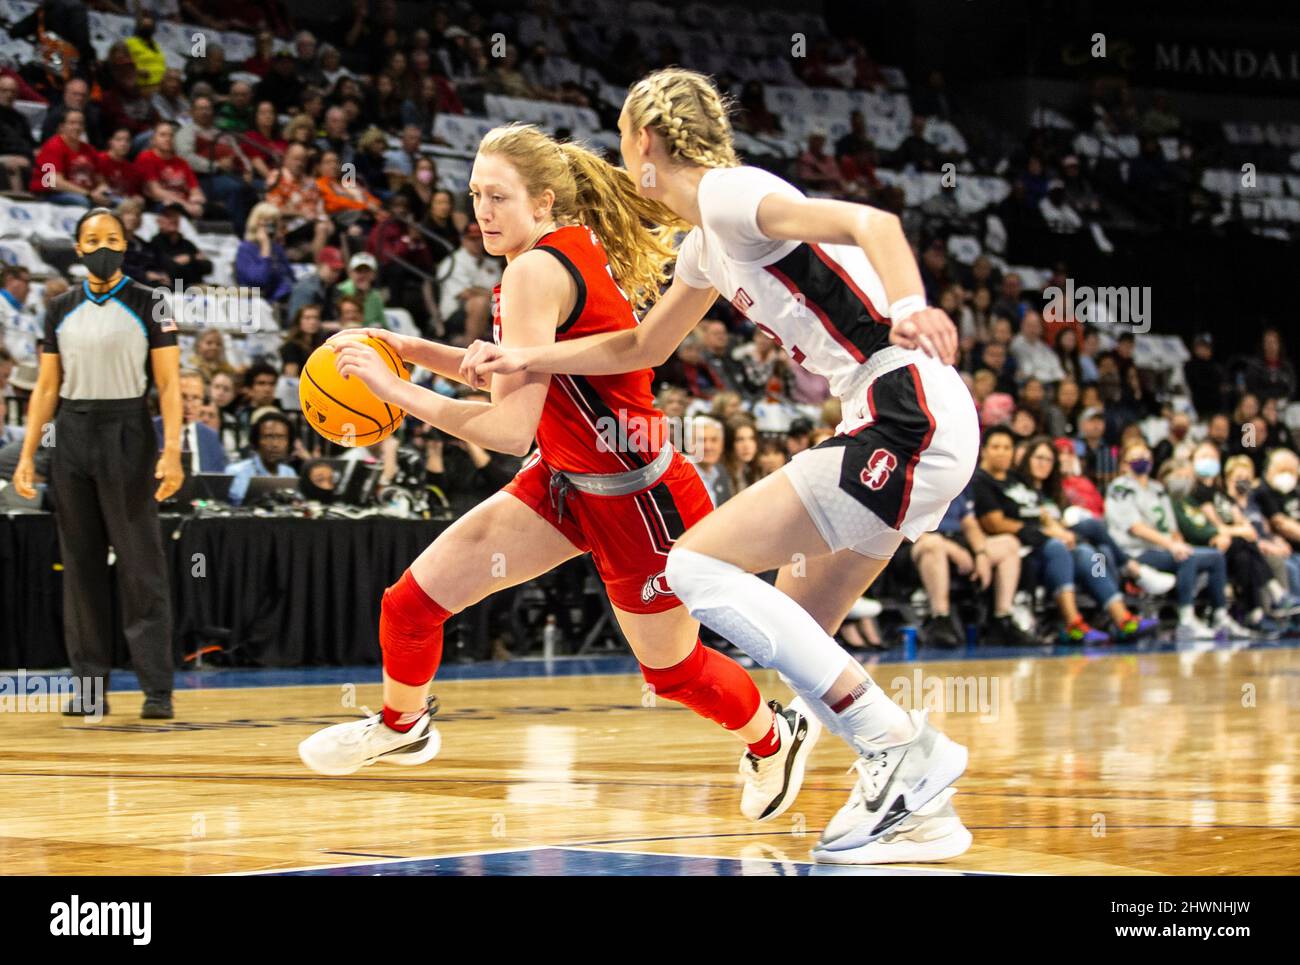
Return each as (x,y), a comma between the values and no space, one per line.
(104,345)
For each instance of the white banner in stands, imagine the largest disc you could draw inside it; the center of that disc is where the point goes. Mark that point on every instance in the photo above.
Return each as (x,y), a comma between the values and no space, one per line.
(546,114)
(15,251)
(47,222)
(462,132)
(18,219)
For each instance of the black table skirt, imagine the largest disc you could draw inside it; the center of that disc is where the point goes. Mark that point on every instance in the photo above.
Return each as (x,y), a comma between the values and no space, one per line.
(280,592)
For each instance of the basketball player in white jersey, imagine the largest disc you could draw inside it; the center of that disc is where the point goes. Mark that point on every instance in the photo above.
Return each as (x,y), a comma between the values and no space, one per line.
(836,285)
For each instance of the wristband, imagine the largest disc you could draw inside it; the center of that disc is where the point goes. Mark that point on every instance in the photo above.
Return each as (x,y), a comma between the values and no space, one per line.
(905,306)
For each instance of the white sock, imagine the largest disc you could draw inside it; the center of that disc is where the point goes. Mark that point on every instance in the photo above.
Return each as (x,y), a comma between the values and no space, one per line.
(832,721)
(876,719)
(1186,614)
(755,615)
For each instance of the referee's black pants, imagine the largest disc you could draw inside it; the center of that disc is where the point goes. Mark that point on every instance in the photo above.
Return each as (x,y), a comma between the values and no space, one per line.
(102,485)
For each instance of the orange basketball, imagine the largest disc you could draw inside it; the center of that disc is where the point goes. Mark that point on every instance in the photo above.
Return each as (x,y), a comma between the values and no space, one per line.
(343,410)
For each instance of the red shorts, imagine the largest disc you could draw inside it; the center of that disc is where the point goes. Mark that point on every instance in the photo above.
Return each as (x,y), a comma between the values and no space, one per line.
(628,536)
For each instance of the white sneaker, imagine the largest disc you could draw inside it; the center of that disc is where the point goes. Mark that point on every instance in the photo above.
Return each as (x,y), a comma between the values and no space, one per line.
(345,748)
(1193,629)
(893,782)
(932,833)
(1153,581)
(1226,626)
(772,783)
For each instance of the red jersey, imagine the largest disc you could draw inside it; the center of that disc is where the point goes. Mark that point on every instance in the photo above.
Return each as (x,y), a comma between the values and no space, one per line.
(79,165)
(120,174)
(173,173)
(593,423)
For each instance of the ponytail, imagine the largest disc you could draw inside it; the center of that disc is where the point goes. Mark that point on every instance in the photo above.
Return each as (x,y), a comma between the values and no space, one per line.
(637,233)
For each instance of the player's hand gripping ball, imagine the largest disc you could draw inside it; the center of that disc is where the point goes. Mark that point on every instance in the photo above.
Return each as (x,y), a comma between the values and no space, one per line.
(346,390)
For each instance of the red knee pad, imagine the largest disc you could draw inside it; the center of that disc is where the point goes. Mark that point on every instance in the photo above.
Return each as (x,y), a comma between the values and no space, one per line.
(410,632)
(714,686)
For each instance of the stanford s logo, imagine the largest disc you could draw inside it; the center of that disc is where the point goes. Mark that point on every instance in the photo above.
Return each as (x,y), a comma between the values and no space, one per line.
(657,585)
(879,466)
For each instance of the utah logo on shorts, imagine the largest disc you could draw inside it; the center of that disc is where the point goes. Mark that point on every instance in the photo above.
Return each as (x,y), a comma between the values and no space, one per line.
(657,585)
(881,463)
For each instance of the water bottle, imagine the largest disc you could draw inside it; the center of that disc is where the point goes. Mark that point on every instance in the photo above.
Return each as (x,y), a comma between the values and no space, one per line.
(550,635)
(909,642)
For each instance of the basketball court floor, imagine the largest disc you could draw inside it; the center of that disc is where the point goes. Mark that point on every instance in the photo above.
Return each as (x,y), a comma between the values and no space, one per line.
(1136,762)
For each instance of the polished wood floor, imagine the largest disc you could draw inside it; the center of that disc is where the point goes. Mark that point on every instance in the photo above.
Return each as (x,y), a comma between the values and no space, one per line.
(1146,764)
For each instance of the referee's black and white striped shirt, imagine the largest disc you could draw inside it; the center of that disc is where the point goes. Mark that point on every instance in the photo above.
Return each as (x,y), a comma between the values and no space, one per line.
(103,340)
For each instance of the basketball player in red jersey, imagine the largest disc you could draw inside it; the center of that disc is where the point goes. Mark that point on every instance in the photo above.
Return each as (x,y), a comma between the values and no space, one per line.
(603,478)
(837,285)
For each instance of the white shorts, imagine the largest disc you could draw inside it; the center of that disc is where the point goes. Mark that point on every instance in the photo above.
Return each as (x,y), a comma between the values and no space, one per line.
(907,448)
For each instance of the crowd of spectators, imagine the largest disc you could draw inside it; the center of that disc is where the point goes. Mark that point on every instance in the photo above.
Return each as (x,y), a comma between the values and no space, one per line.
(315,153)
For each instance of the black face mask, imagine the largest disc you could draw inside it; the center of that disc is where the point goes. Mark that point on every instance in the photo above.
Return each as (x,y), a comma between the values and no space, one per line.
(103,263)
(145,33)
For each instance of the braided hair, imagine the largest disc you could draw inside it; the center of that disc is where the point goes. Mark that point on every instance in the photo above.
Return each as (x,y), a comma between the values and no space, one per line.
(685,108)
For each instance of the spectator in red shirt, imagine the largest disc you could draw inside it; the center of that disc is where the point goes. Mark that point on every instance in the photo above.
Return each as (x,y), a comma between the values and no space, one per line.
(262,143)
(168,179)
(817,169)
(1077,488)
(398,237)
(118,170)
(67,168)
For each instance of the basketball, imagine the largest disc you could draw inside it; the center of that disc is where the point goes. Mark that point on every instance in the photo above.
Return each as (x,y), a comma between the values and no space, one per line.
(343,410)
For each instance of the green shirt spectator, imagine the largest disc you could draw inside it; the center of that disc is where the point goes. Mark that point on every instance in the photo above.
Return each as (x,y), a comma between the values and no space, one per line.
(1193,523)
(360,283)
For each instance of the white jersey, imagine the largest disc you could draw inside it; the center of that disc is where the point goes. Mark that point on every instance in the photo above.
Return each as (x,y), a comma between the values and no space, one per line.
(824,304)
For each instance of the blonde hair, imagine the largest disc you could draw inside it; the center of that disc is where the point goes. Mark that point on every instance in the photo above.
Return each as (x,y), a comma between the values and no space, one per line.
(263,209)
(637,233)
(300,122)
(685,109)
(1238,462)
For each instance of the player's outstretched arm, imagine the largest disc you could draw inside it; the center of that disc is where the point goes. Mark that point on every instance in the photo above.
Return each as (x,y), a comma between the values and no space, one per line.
(535,289)
(880,235)
(649,344)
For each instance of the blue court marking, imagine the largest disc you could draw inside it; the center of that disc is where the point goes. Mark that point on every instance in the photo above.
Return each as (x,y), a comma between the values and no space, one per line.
(574,861)
(220,679)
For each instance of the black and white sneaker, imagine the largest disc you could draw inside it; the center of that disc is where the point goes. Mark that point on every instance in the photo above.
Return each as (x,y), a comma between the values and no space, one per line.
(346,748)
(772,783)
(894,781)
(932,833)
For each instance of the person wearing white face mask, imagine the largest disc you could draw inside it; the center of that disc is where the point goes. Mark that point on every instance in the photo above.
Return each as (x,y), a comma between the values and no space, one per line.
(1278,499)
(1257,592)
(1141,519)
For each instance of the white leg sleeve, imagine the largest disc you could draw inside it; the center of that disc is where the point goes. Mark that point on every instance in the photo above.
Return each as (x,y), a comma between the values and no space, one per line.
(758,618)
(780,634)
